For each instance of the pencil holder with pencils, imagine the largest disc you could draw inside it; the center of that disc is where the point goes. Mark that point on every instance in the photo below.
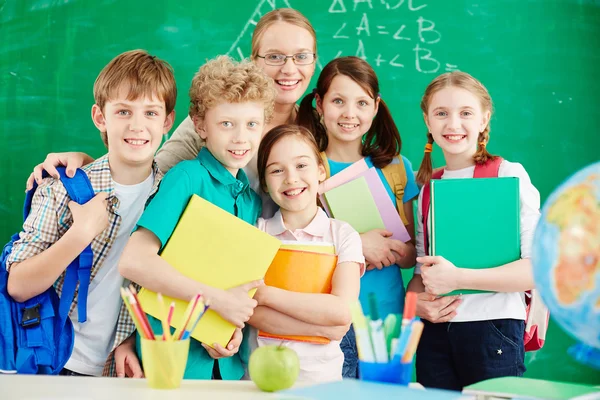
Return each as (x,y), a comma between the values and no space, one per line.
(393,371)
(386,348)
(164,356)
(164,362)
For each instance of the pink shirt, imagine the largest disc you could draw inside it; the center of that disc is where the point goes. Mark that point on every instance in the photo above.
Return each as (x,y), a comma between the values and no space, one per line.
(318,363)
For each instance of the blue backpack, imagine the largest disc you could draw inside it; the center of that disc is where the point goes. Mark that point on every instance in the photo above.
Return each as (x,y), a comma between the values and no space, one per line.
(36,336)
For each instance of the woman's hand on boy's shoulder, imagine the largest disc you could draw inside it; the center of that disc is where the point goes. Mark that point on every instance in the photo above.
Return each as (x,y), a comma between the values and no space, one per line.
(71,160)
(217,351)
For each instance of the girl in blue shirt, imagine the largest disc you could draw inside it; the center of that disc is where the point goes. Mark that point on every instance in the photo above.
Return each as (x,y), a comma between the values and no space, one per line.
(352,122)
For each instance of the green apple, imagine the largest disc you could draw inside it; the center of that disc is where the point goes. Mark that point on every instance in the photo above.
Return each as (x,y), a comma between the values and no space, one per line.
(274,367)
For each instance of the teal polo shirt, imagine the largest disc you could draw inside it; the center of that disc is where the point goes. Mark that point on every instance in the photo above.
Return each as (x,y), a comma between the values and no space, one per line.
(208,178)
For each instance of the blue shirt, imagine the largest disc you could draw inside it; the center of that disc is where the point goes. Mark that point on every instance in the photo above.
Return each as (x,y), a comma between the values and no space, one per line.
(386,283)
(208,178)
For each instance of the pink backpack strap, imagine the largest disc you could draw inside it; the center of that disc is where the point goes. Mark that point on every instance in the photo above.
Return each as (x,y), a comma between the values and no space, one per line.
(489,169)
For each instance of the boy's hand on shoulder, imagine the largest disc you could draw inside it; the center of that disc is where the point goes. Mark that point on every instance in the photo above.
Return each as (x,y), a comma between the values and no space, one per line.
(127,362)
(91,218)
(218,351)
(234,304)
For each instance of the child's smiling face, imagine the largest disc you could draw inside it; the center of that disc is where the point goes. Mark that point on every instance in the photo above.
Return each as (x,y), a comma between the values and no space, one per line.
(134,128)
(455,118)
(347,109)
(293,174)
(232,132)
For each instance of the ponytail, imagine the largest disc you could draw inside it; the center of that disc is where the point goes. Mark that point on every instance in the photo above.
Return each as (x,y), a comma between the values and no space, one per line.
(309,118)
(382,143)
(482,155)
(426,168)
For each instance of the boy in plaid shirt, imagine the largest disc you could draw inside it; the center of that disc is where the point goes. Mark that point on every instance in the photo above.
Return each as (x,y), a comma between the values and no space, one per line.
(134,97)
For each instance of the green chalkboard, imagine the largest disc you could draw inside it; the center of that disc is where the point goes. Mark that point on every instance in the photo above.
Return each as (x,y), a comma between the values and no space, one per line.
(539,59)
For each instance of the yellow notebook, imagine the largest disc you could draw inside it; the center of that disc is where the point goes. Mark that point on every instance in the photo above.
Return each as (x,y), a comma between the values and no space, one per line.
(218,249)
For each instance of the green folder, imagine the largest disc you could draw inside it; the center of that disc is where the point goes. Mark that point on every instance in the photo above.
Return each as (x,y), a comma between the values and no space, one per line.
(525,388)
(475,223)
(353,203)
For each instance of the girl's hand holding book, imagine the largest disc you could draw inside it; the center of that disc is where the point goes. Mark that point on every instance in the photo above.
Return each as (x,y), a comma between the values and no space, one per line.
(217,351)
(234,305)
(439,275)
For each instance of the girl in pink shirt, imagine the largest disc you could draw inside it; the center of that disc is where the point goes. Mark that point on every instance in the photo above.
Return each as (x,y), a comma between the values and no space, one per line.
(290,170)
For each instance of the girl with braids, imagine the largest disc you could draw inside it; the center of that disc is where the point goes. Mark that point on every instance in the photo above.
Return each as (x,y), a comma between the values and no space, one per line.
(352,122)
(485,338)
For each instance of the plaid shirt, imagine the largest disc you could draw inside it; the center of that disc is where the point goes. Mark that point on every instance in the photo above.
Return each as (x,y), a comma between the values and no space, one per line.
(43,228)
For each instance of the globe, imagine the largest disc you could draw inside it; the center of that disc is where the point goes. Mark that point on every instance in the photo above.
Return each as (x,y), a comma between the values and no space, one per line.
(566,257)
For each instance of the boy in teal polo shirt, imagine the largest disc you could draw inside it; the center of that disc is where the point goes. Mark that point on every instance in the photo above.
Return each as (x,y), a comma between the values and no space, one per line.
(230,104)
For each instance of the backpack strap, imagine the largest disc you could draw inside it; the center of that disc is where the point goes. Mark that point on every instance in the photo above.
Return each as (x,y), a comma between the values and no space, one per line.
(489,169)
(395,175)
(79,189)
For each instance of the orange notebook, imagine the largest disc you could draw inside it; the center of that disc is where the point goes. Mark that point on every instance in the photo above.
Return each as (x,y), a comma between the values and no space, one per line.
(305,272)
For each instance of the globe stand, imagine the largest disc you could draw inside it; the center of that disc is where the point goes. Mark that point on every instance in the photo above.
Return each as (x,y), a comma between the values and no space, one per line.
(586,355)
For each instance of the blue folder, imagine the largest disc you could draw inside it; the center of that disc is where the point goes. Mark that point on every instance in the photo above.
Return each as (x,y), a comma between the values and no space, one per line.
(352,389)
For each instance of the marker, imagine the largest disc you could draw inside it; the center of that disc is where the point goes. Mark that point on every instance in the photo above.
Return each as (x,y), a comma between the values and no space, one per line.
(404,339)
(363,344)
(410,308)
(377,335)
(391,328)
(413,343)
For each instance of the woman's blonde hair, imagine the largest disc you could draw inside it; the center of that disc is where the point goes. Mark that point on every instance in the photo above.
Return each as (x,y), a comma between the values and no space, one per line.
(464,81)
(224,80)
(289,15)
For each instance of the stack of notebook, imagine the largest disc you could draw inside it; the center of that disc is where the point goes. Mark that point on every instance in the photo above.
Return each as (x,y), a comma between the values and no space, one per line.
(358,196)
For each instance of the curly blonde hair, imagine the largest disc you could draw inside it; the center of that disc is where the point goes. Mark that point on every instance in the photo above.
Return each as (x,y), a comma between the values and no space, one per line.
(223,80)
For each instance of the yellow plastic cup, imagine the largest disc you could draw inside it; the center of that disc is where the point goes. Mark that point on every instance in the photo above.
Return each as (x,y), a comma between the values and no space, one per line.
(164,362)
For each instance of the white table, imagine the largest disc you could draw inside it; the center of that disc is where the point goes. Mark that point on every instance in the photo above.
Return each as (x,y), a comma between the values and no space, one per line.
(38,387)
(44,387)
